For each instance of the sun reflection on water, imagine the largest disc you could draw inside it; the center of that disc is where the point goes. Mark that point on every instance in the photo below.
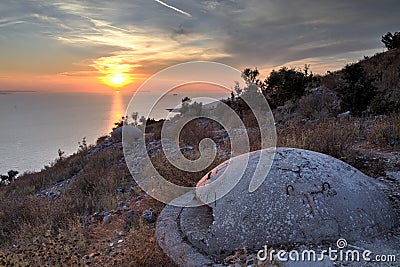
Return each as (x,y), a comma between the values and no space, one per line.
(117,109)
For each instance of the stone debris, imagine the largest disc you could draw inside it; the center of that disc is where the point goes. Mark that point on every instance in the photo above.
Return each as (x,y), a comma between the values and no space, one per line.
(107,218)
(149,216)
(129,216)
(344,114)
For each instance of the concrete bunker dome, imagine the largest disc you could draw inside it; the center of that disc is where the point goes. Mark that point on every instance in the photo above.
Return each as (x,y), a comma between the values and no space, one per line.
(307,197)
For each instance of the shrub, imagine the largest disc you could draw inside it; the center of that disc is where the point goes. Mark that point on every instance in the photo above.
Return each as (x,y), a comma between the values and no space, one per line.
(357,90)
(385,103)
(286,84)
(11,176)
(316,106)
(391,41)
(188,108)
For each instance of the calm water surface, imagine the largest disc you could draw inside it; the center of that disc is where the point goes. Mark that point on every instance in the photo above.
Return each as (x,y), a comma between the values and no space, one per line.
(34,125)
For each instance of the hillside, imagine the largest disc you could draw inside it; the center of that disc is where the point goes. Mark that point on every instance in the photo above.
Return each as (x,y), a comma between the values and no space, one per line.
(382,71)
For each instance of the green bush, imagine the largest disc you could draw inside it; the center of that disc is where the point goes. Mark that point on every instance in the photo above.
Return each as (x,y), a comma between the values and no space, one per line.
(391,41)
(357,89)
(286,84)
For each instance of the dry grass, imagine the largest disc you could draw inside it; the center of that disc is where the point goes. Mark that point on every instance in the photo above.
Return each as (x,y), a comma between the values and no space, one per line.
(50,232)
(180,177)
(78,245)
(40,231)
(46,248)
(154,129)
(332,137)
(384,132)
(317,106)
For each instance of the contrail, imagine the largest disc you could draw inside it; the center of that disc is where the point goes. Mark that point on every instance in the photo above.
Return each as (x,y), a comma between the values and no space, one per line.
(102,23)
(8,23)
(173,8)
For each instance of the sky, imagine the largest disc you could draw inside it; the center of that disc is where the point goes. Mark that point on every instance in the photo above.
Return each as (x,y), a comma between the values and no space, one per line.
(108,45)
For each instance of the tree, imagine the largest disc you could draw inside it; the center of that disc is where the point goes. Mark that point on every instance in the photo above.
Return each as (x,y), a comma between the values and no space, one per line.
(12,174)
(82,146)
(391,41)
(186,99)
(135,117)
(143,120)
(194,108)
(232,97)
(250,94)
(60,154)
(3,179)
(252,75)
(357,91)
(185,105)
(6,179)
(286,84)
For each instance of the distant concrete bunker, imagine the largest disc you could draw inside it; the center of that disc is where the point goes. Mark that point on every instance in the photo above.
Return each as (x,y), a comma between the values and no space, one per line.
(307,197)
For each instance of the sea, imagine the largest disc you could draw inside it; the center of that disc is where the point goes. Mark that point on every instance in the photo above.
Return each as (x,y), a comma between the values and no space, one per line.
(35,125)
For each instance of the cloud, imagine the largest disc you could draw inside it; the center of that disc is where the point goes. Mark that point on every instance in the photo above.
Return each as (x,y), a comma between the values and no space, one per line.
(10,21)
(276,32)
(262,33)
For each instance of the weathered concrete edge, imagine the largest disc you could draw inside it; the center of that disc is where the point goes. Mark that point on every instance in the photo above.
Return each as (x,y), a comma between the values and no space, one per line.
(172,241)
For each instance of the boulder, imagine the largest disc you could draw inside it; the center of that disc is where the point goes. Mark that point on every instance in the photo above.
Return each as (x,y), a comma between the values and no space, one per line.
(116,135)
(306,197)
(126,133)
(149,216)
(131,134)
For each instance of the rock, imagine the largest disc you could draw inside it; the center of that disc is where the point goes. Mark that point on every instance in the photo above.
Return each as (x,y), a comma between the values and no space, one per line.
(393,176)
(116,135)
(104,213)
(99,216)
(149,216)
(171,241)
(131,134)
(186,148)
(280,108)
(121,189)
(85,219)
(126,133)
(129,216)
(344,114)
(107,218)
(121,204)
(307,197)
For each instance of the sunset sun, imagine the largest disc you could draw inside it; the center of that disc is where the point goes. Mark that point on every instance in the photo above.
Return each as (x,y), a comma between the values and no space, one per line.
(114,73)
(117,79)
